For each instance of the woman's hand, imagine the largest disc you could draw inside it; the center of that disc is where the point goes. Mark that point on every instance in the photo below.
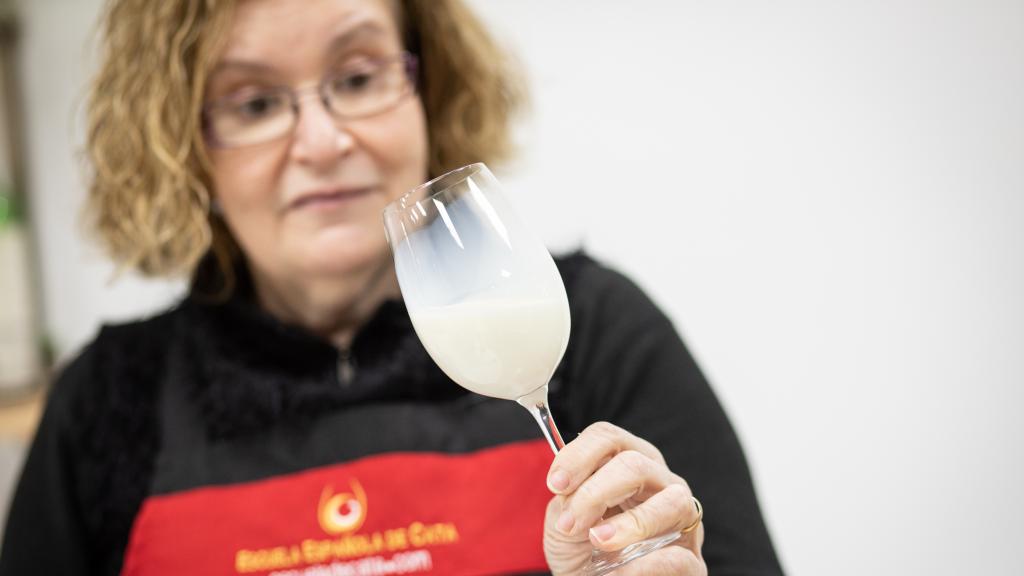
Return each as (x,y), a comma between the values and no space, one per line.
(613,489)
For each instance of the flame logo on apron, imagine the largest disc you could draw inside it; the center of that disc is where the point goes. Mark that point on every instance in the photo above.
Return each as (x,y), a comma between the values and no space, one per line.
(343,512)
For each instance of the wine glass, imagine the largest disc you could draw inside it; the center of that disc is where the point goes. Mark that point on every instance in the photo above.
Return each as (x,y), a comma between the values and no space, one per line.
(486,300)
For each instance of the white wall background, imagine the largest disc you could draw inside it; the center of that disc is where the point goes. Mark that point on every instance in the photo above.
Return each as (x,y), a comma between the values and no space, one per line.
(827,197)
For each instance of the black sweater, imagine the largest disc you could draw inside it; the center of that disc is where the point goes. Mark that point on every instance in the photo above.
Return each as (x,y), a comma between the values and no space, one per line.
(153,415)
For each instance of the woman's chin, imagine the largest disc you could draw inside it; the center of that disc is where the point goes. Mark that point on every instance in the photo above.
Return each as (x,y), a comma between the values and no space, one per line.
(338,262)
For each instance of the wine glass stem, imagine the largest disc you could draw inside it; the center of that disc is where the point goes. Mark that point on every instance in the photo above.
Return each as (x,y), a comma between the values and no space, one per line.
(537,403)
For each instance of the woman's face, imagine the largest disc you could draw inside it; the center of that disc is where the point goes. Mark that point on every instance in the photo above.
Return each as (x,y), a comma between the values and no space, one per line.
(308,205)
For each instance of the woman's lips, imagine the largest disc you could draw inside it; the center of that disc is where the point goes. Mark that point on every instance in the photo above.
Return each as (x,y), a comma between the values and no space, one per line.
(328,198)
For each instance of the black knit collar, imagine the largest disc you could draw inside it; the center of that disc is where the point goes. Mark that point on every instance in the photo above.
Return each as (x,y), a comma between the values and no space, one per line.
(250,371)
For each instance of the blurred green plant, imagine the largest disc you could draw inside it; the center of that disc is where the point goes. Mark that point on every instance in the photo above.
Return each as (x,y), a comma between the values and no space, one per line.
(10,212)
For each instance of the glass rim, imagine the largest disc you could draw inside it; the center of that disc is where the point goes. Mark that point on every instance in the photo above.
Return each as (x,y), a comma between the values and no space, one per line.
(402,202)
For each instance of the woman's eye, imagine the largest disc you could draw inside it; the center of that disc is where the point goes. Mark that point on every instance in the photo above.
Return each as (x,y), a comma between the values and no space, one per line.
(258,107)
(353,82)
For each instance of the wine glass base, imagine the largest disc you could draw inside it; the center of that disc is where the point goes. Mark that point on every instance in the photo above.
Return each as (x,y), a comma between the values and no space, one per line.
(604,562)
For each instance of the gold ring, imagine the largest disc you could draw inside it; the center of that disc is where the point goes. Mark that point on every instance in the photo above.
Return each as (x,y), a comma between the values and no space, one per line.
(700,516)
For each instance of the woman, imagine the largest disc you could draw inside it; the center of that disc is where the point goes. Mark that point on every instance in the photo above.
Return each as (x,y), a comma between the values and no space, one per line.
(284,418)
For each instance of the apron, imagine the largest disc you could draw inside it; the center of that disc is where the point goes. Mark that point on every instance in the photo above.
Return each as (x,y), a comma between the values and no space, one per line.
(398,512)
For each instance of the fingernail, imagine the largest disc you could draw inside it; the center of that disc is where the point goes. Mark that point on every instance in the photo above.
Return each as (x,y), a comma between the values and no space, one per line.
(603,533)
(565,522)
(558,481)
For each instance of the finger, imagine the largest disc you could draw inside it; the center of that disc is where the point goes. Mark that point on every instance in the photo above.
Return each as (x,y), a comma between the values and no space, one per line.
(560,550)
(556,507)
(669,511)
(672,560)
(694,541)
(627,478)
(596,445)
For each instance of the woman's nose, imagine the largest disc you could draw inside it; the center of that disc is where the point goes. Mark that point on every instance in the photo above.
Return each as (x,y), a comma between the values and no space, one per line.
(319,139)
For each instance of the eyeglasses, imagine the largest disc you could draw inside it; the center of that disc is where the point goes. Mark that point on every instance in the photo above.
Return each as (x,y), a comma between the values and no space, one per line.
(364,89)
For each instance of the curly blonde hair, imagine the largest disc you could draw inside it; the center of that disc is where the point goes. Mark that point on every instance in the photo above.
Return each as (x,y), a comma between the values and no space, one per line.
(150,191)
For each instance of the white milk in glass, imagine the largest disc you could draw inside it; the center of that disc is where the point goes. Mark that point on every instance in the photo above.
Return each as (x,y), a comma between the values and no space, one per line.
(505,348)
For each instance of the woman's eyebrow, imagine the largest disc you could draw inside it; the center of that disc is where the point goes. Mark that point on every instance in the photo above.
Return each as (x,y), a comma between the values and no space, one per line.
(241,66)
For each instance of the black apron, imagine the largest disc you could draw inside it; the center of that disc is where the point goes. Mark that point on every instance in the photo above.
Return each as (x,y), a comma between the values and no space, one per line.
(287,502)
